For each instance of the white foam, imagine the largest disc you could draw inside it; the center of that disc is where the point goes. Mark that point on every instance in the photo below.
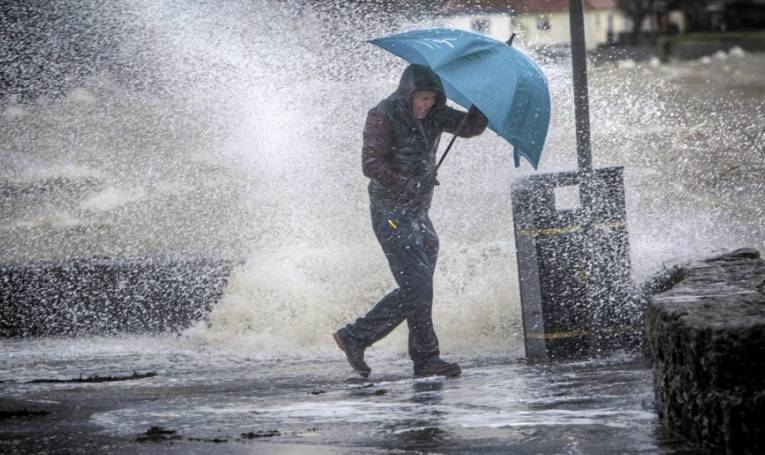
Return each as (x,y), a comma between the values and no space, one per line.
(82,96)
(49,220)
(737,51)
(41,171)
(111,198)
(14,112)
(627,64)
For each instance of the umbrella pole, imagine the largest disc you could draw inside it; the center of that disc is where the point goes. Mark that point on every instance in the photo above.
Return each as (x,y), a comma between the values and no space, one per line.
(454,138)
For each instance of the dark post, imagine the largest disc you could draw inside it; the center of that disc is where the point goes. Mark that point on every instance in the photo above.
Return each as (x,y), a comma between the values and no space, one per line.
(582,116)
(581,106)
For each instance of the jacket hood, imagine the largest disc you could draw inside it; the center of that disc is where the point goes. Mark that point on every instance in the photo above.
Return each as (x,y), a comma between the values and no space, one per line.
(418,77)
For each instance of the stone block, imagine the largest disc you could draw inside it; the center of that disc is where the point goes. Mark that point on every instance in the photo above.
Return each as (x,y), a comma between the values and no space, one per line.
(706,336)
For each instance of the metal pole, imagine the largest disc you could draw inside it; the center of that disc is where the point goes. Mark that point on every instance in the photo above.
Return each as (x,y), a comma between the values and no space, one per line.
(581,111)
(581,97)
(584,155)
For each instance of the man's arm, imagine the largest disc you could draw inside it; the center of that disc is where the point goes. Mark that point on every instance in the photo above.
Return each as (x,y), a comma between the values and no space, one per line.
(376,152)
(474,125)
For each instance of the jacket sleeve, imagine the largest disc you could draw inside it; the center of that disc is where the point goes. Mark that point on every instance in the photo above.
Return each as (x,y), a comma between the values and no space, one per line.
(377,153)
(475,123)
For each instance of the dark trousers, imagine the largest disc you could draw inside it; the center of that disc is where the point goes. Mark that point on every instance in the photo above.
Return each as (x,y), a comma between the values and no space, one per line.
(410,244)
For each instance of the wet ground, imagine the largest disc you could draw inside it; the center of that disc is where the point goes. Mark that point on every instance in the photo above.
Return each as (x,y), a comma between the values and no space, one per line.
(174,397)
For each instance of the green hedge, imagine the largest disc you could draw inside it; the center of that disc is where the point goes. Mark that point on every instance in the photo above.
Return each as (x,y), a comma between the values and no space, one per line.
(719,37)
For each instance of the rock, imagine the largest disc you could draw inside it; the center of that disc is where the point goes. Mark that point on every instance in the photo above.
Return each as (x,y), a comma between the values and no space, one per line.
(21,414)
(706,334)
(260,434)
(741,253)
(108,295)
(158,434)
(95,378)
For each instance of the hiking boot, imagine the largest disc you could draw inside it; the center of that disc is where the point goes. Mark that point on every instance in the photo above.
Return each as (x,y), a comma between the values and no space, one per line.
(437,367)
(353,352)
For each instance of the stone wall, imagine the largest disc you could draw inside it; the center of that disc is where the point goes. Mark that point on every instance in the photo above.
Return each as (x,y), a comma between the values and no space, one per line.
(706,334)
(108,295)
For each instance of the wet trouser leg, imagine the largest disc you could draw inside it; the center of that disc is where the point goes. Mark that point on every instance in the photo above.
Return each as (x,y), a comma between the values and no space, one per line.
(410,244)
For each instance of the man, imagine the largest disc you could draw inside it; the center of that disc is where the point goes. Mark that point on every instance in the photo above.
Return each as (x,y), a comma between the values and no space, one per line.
(401,139)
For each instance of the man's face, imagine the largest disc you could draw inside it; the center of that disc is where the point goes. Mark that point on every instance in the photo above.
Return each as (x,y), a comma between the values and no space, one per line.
(422,102)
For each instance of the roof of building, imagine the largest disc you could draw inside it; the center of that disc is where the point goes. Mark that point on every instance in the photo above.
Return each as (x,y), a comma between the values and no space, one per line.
(520,6)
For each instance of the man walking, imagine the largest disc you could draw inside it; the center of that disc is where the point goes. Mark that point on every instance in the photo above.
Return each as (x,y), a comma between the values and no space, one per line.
(401,137)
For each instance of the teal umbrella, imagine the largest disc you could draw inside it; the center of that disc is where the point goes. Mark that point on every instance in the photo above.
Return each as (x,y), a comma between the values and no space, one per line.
(505,84)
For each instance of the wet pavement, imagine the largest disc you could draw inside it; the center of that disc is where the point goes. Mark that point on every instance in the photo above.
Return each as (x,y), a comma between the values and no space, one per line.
(204,400)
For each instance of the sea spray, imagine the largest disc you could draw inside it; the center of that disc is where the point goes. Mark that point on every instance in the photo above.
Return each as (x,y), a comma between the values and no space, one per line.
(234,131)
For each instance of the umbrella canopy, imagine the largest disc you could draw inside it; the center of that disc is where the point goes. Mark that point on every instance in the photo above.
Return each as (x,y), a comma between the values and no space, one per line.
(505,84)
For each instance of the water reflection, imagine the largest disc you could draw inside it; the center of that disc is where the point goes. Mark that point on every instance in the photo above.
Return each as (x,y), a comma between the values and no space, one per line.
(425,430)
(422,438)
(428,391)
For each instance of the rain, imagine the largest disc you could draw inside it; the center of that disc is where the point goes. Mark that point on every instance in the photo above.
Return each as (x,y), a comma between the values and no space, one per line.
(208,154)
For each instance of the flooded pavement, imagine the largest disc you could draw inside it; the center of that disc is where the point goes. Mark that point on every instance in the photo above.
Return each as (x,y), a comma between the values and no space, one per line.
(204,400)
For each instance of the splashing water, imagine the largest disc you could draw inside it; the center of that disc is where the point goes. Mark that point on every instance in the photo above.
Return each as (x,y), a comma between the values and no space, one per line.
(235,130)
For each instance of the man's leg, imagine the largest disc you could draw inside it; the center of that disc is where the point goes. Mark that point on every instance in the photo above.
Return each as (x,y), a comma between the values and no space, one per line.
(423,342)
(385,316)
(410,252)
(388,313)
(428,363)
(411,247)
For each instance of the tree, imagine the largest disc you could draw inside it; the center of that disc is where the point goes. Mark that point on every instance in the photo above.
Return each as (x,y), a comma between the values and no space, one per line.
(638,10)
(694,12)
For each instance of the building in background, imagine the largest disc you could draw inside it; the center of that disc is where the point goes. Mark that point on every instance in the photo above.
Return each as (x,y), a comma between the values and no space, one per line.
(537,22)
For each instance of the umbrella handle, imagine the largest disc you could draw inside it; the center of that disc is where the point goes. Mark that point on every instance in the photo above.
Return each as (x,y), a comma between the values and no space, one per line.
(456,133)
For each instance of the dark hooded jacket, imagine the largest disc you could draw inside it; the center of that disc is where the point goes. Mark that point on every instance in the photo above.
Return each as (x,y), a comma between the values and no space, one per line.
(398,146)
